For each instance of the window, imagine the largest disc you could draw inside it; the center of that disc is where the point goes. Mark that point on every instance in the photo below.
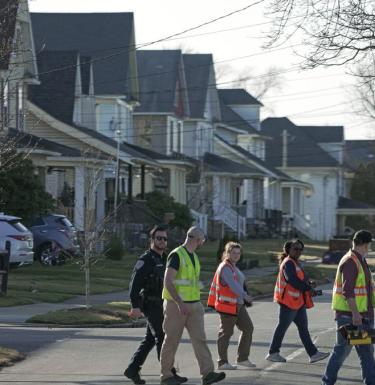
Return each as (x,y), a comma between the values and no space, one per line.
(4,105)
(171,136)
(19,107)
(179,137)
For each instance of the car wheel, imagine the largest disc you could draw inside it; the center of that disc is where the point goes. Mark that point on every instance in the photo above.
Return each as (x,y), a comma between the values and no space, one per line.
(47,256)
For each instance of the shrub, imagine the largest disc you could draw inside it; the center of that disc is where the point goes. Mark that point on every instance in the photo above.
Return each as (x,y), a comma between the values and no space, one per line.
(114,249)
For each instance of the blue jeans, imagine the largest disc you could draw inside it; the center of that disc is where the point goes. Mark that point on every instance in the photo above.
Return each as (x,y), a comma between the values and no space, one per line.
(342,349)
(286,317)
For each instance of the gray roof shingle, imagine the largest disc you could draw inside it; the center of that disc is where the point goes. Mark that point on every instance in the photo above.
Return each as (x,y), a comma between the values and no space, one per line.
(105,37)
(302,150)
(325,134)
(359,151)
(348,203)
(219,164)
(197,70)
(55,94)
(158,74)
(232,96)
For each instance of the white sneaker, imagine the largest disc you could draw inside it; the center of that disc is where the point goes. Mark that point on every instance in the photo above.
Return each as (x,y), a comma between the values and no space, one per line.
(227,366)
(275,357)
(247,364)
(318,356)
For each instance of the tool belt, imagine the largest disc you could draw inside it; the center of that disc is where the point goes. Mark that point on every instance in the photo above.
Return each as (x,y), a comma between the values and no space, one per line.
(358,335)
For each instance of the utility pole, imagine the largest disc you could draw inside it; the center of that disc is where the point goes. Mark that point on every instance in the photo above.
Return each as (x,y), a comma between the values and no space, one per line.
(117,175)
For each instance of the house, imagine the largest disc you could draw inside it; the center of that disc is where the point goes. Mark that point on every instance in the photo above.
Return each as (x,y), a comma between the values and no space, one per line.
(159,118)
(310,154)
(17,63)
(54,108)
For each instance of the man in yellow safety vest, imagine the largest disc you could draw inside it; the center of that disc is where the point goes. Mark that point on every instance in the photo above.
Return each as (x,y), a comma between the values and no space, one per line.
(183,309)
(353,301)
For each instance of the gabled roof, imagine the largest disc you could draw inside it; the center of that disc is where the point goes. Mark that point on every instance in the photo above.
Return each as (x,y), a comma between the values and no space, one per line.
(238,96)
(232,119)
(255,159)
(158,74)
(325,134)
(56,92)
(8,17)
(359,151)
(106,37)
(32,141)
(219,164)
(197,70)
(302,150)
(348,203)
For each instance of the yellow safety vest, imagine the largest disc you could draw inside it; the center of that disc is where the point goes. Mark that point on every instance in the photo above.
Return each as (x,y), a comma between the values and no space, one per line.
(360,290)
(187,278)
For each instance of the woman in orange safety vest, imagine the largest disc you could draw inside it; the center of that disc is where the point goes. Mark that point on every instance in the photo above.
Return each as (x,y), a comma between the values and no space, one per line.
(228,296)
(293,294)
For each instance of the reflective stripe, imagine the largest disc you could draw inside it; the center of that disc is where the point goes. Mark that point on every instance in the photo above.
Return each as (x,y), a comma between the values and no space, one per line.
(227,299)
(183,282)
(294,293)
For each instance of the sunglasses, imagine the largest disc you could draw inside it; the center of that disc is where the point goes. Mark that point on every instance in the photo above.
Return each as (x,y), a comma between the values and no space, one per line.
(297,248)
(158,238)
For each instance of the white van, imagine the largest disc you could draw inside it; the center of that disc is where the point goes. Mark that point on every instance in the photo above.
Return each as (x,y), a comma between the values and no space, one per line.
(21,239)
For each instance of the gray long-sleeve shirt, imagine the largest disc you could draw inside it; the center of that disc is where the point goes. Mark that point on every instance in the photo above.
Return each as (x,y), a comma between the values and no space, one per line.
(226,278)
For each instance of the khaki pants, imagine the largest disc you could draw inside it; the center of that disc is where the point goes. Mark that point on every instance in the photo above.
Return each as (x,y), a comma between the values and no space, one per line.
(245,325)
(174,324)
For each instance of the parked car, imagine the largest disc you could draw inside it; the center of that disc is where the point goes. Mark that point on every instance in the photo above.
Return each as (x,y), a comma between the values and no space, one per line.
(20,238)
(55,239)
(337,248)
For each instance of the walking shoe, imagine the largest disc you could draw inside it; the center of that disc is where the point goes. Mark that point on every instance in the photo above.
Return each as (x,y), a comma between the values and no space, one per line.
(275,357)
(180,379)
(227,366)
(170,381)
(135,377)
(247,364)
(212,377)
(318,356)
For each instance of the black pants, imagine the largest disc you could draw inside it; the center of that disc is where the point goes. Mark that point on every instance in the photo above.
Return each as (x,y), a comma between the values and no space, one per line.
(154,336)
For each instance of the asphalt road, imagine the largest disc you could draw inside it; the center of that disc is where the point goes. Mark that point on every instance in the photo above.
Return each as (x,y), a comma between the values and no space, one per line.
(99,356)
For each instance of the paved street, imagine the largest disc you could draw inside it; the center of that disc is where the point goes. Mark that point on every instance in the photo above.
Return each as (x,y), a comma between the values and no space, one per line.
(98,356)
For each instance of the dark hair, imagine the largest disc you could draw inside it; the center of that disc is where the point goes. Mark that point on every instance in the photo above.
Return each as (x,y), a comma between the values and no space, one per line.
(361,237)
(287,246)
(157,228)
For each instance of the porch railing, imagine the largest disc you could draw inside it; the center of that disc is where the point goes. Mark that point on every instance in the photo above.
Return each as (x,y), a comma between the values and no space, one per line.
(233,220)
(200,219)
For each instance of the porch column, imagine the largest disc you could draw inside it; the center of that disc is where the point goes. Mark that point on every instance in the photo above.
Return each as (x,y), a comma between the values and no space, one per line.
(292,201)
(341,224)
(143,174)
(79,198)
(100,201)
(216,193)
(249,198)
(130,182)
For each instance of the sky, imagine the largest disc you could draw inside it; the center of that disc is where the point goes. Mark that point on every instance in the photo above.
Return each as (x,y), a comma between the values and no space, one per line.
(307,97)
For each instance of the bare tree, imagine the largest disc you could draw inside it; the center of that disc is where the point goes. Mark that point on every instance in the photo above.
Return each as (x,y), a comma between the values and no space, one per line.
(91,175)
(332,32)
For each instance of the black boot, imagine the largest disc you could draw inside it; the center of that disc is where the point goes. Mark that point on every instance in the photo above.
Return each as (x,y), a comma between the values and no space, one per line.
(180,379)
(134,376)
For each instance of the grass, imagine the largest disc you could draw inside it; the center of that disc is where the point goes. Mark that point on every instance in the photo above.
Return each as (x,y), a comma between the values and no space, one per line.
(10,356)
(109,314)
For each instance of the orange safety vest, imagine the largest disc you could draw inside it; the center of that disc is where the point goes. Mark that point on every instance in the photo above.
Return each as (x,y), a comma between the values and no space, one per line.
(288,295)
(221,297)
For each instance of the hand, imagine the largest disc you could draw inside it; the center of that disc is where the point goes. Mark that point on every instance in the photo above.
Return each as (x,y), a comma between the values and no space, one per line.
(183,308)
(135,313)
(312,284)
(356,319)
(248,299)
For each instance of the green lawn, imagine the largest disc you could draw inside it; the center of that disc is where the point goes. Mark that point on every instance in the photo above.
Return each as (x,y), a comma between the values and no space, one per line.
(30,284)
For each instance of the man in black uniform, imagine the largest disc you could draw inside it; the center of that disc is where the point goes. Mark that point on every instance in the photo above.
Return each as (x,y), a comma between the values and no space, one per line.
(146,286)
